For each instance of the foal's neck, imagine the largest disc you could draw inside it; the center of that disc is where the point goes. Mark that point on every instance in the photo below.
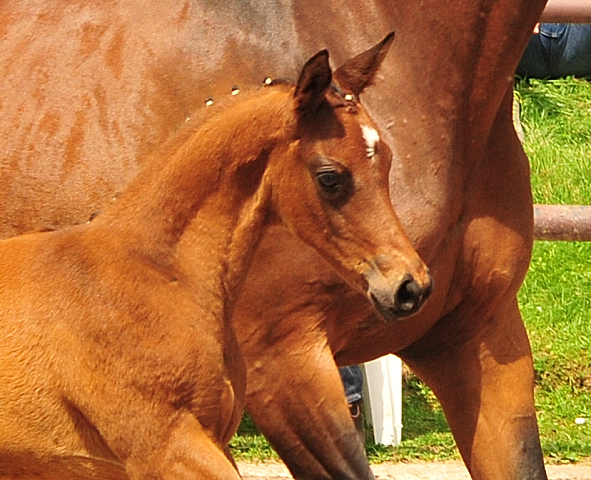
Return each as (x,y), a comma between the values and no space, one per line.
(211,193)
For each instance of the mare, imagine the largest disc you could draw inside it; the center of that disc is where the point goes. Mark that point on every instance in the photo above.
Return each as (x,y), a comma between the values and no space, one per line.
(118,358)
(87,89)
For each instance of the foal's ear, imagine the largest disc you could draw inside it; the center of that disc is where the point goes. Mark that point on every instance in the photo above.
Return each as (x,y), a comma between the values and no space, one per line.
(313,82)
(358,73)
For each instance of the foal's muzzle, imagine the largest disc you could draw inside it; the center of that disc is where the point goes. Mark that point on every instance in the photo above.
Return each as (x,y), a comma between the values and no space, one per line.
(402,301)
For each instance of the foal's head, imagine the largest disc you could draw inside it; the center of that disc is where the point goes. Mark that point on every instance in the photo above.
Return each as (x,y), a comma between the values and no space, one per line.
(335,194)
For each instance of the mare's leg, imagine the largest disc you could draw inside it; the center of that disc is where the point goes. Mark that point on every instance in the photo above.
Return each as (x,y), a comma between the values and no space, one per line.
(485,386)
(304,413)
(294,390)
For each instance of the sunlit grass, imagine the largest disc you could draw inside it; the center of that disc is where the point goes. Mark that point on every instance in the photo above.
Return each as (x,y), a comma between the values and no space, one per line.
(556,118)
(556,296)
(250,445)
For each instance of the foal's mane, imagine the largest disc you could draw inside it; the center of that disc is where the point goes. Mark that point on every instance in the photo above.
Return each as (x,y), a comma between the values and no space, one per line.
(213,109)
(218,107)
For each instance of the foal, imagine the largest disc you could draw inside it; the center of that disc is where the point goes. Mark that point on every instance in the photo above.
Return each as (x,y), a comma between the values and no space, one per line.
(117,356)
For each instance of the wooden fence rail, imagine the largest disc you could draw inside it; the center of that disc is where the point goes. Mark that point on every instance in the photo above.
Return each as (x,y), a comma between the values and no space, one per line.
(567,11)
(562,222)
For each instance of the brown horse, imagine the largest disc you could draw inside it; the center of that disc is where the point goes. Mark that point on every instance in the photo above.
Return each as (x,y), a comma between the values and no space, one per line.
(118,354)
(87,89)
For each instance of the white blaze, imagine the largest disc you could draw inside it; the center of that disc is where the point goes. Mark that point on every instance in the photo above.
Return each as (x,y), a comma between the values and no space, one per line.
(371,137)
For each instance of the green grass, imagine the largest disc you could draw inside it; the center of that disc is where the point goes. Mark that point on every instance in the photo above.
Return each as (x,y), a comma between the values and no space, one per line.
(556,296)
(250,445)
(556,118)
(555,299)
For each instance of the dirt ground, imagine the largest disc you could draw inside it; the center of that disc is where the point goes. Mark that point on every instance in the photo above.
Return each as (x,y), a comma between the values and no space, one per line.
(412,471)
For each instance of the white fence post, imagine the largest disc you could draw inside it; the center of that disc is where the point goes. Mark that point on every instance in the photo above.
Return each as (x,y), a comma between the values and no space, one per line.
(384,387)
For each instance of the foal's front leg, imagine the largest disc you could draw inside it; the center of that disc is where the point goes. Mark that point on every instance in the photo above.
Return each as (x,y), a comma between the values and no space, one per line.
(188,453)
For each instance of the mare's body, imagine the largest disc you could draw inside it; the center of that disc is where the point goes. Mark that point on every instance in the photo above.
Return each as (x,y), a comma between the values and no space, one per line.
(118,357)
(88,89)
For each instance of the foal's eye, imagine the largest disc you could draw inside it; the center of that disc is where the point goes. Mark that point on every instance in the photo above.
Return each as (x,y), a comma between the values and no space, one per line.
(335,182)
(329,181)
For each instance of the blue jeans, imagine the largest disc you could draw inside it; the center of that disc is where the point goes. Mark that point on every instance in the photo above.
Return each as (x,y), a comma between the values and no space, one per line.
(559,50)
(352,378)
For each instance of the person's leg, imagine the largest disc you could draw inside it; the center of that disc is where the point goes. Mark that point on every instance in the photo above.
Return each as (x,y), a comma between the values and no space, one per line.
(571,53)
(352,378)
(536,62)
(558,50)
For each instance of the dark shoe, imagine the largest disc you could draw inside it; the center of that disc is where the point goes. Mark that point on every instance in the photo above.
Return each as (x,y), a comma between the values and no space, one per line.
(356,409)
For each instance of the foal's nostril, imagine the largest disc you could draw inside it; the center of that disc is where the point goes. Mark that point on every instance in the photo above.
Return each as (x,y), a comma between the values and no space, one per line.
(408,296)
(406,300)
